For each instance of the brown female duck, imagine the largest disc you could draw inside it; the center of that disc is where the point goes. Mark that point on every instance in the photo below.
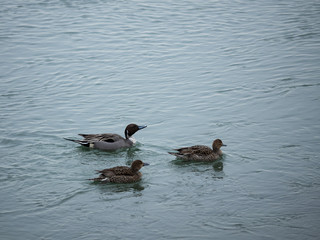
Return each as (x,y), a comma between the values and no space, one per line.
(200,153)
(121,174)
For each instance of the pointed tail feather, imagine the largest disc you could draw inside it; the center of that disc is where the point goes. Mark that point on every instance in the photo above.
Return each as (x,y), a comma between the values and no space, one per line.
(82,142)
(72,140)
(98,179)
(179,155)
(94,179)
(174,153)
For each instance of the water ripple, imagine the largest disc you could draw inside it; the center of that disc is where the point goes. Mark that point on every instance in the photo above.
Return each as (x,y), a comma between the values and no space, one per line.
(193,71)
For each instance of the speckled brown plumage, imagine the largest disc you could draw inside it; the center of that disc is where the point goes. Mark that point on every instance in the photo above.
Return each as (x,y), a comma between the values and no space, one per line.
(200,152)
(121,174)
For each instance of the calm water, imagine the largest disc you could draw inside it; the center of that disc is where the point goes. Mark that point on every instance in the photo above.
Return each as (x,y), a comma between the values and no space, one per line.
(243,71)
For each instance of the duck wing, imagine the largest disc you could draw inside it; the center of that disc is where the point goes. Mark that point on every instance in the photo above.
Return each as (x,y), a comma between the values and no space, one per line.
(117,171)
(126,179)
(199,150)
(104,137)
(121,174)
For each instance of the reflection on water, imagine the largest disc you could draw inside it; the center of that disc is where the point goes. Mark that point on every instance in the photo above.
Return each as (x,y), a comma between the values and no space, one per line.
(114,190)
(132,154)
(218,166)
(201,169)
(129,154)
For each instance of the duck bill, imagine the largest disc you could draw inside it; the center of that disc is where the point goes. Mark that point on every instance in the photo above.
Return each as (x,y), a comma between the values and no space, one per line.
(142,127)
(146,164)
(224,145)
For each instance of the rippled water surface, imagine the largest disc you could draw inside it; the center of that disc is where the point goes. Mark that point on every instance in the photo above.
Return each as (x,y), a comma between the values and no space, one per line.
(243,71)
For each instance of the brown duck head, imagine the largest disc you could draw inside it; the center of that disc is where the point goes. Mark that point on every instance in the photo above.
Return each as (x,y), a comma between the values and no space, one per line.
(137,165)
(217,144)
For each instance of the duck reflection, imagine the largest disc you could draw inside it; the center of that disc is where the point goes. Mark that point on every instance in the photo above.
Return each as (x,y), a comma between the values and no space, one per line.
(218,166)
(121,188)
(132,153)
(215,169)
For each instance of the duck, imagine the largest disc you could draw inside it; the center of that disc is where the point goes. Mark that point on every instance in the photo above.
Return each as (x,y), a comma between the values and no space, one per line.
(200,153)
(121,174)
(110,141)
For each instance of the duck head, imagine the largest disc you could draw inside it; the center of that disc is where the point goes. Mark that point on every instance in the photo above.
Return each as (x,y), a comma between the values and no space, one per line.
(217,144)
(137,165)
(132,129)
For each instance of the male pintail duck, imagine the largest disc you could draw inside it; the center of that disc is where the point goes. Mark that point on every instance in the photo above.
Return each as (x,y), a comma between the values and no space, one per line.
(110,141)
(121,174)
(200,153)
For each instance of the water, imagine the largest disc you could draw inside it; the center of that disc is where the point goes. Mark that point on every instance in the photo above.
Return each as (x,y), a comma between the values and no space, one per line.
(243,71)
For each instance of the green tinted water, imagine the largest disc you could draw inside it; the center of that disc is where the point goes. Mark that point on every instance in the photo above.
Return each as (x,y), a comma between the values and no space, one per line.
(245,72)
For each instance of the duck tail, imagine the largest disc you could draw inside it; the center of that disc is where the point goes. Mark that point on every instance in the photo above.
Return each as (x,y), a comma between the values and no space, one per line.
(174,153)
(94,179)
(83,143)
(98,179)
